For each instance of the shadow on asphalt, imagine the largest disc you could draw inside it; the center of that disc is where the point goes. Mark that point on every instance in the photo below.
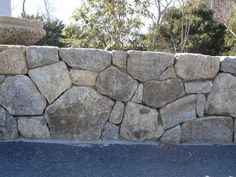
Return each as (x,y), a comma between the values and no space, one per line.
(27,159)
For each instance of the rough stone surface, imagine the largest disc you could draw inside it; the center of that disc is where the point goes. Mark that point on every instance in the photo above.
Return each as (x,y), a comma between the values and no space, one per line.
(117,113)
(83,77)
(2,77)
(19,96)
(20,31)
(228,65)
(234,130)
(13,60)
(51,80)
(169,73)
(172,136)
(33,127)
(181,110)
(145,66)
(88,59)
(159,93)
(196,66)
(8,125)
(200,105)
(140,123)
(208,129)
(138,96)
(80,114)
(116,84)
(198,86)
(110,132)
(222,99)
(41,56)
(119,58)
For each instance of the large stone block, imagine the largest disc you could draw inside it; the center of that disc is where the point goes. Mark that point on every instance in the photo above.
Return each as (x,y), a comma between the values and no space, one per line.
(19,96)
(172,136)
(196,66)
(8,125)
(13,60)
(179,111)
(222,99)
(119,58)
(169,73)
(33,127)
(117,113)
(208,129)
(140,123)
(159,93)
(145,66)
(83,77)
(51,80)
(228,65)
(116,84)
(198,86)
(88,59)
(80,114)
(40,56)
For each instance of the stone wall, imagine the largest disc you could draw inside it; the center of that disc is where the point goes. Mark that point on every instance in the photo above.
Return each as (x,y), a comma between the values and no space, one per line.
(89,94)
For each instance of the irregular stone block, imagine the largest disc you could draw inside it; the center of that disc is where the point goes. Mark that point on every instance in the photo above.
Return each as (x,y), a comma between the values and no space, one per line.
(33,127)
(198,86)
(83,77)
(145,66)
(179,111)
(40,56)
(169,73)
(208,129)
(234,130)
(19,96)
(228,65)
(196,66)
(13,60)
(159,93)
(79,114)
(88,59)
(138,96)
(222,99)
(8,125)
(117,113)
(116,84)
(119,58)
(2,77)
(172,136)
(200,105)
(110,132)
(51,80)
(140,123)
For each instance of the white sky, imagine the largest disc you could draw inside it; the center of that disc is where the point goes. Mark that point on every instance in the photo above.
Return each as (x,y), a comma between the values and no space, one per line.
(63,9)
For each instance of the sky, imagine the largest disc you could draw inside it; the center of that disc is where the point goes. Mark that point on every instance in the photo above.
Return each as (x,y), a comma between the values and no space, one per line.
(63,9)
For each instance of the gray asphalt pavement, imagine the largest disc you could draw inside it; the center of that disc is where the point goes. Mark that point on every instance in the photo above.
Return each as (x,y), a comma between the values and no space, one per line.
(21,159)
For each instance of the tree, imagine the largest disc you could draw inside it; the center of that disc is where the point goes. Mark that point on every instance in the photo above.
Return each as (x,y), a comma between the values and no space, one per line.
(110,24)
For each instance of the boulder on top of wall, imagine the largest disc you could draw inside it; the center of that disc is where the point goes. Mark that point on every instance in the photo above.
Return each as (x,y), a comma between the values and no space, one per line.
(117,113)
(119,59)
(89,59)
(83,77)
(116,84)
(20,96)
(33,127)
(196,67)
(222,99)
(80,114)
(8,125)
(208,129)
(179,111)
(172,136)
(110,132)
(13,60)
(41,55)
(198,86)
(159,93)
(51,80)
(140,123)
(228,64)
(145,66)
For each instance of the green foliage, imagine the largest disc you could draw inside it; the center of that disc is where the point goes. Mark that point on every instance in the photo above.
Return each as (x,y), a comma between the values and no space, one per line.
(110,24)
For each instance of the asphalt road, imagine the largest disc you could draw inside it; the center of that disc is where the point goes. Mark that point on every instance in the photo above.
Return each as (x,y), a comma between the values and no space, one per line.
(20,159)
